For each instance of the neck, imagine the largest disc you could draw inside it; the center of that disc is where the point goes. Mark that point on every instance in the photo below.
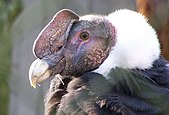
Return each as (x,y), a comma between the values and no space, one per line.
(137,45)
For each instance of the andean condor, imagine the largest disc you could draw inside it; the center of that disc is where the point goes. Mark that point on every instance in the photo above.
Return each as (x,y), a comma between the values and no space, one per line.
(108,65)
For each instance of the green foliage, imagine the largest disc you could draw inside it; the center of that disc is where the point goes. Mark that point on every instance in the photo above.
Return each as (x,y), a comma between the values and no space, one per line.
(8,12)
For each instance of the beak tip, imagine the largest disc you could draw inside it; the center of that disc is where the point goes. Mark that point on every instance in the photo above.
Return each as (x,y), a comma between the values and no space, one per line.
(33,85)
(33,82)
(36,70)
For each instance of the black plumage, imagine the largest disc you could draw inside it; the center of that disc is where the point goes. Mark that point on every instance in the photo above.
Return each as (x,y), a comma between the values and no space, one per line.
(130,92)
(77,47)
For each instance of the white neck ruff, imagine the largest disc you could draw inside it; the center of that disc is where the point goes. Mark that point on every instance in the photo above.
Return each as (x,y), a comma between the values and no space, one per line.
(137,44)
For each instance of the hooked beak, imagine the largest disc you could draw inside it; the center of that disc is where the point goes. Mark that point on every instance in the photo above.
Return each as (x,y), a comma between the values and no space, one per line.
(42,69)
(38,72)
(47,47)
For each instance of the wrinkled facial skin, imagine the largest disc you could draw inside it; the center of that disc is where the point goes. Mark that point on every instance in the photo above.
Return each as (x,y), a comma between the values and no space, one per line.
(76,47)
(53,36)
(88,45)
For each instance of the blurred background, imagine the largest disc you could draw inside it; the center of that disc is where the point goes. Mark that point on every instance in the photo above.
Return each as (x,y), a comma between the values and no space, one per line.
(22,20)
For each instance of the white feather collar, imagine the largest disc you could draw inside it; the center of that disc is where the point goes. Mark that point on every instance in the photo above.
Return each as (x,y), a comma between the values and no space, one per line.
(137,43)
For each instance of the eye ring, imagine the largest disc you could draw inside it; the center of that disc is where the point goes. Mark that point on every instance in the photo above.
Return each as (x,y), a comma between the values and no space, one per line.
(84,36)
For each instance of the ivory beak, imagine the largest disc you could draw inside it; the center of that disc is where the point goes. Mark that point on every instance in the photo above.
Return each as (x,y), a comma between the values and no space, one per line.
(38,72)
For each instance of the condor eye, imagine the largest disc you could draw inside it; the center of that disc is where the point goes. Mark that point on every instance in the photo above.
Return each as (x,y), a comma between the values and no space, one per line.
(84,36)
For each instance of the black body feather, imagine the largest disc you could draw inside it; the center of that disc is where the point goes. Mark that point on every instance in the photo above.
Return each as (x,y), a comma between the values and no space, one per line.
(124,92)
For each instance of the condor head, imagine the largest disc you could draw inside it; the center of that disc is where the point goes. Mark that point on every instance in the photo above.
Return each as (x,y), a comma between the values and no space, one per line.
(71,45)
